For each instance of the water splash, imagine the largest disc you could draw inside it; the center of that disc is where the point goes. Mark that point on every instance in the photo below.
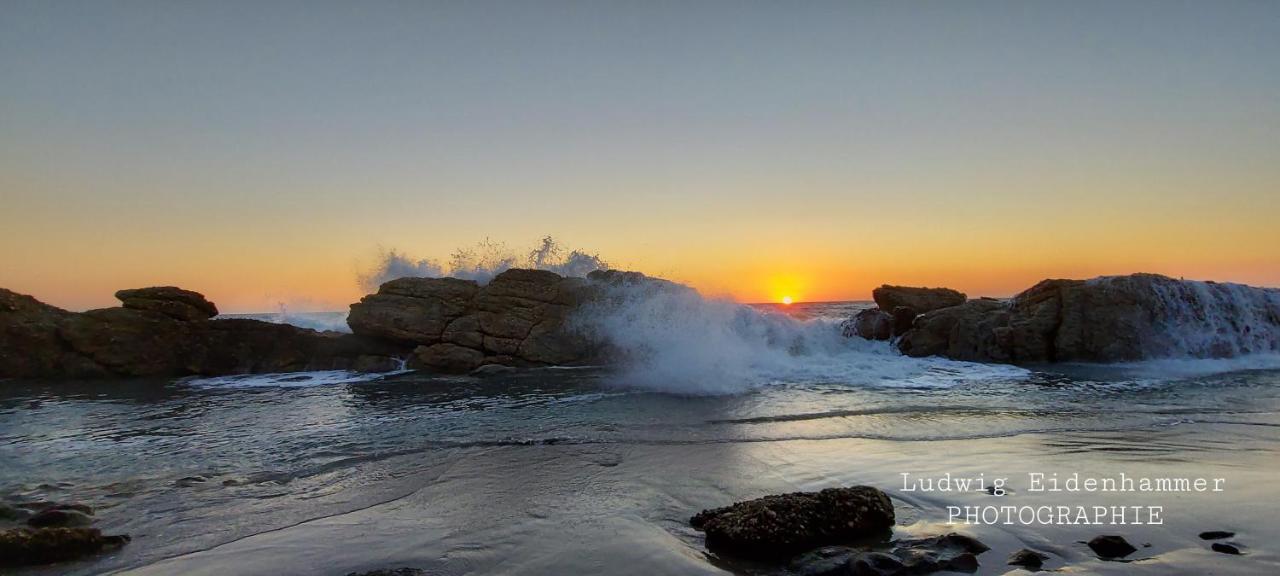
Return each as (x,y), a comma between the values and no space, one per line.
(669,338)
(482,262)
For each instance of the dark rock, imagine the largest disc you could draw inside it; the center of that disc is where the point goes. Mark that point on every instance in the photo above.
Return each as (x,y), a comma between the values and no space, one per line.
(903,317)
(45,505)
(825,561)
(871,324)
(60,518)
(1111,546)
(171,301)
(37,340)
(877,564)
(8,512)
(448,358)
(1108,319)
(1225,548)
(1216,535)
(922,300)
(27,547)
(1028,558)
(950,553)
(964,332)
(414,310)
(781,526)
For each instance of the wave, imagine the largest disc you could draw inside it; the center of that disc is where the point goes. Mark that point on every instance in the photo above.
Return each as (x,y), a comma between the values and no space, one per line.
(289,379)
(482,262)
(1194,319)
(675,340)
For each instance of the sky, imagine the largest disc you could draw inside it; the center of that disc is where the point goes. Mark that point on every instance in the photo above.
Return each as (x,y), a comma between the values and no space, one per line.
(264,152)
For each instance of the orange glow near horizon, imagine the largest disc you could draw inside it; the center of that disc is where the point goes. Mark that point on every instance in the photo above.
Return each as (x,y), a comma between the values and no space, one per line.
(786,300)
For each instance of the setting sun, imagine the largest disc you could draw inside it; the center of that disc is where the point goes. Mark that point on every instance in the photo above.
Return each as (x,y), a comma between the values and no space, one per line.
(786,300)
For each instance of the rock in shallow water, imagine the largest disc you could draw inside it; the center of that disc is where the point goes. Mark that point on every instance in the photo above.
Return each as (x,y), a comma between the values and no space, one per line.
(1111,546)
(27,546)
(1028,558)
(1226,548)
(1216,535)
(781,526)
(58,518)
(870,324)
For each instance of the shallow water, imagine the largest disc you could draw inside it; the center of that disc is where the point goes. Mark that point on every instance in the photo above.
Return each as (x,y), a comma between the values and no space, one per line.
(561,471)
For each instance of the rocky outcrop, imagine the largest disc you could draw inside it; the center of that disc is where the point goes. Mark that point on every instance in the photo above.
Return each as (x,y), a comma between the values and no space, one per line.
(167,332)
(1108,319)
(33,546)
(520,318)
(898,307)
(54,532)
(171,301)
(871,324)
(781,526)
(921,300)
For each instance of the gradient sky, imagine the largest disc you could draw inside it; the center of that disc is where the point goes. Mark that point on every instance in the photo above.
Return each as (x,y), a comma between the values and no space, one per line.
(263,151)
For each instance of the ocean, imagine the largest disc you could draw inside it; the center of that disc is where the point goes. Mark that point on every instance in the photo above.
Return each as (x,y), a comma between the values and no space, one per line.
(597,469)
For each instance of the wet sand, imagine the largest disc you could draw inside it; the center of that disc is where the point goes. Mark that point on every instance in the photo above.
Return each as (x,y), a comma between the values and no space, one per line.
(623,509)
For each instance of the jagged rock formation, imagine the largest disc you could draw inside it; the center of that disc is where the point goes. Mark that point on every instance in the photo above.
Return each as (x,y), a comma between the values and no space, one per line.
(520,318)
(167,331)
(897,308)
(1107,319)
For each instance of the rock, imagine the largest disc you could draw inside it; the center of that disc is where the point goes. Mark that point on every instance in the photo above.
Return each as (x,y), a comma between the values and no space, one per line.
(1216,535)
(877,564)
(8,512)
(964,332)
(60,518)
(171,301)
(27,547)
(1225,548)
(922,300)
(1107,319)
(950,552)
(489,369)
(1028,558)
(45,505)
(781,526)
(1111,546)
(871,324)
(414,310)
(903,317)
(37,340)
(825,561)
(448,358)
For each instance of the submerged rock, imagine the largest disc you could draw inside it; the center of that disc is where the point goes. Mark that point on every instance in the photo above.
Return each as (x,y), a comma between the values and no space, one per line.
(947,553)
(28,546)
(1028,558)
(781,526)
(1216,535)
(1226,548)
(921,300)
(60,518)
(1111,546)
